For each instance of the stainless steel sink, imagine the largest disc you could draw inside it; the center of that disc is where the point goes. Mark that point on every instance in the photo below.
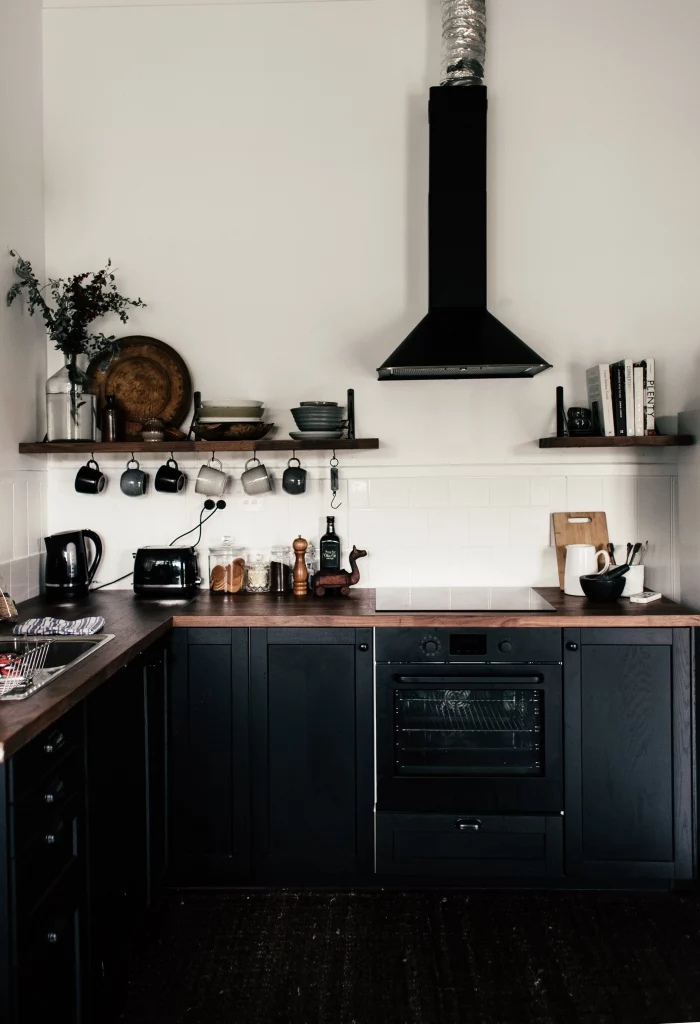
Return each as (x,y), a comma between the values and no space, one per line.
(63,652)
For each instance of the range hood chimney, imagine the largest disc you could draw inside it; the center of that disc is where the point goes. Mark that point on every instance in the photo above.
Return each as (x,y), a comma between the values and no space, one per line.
(459,337)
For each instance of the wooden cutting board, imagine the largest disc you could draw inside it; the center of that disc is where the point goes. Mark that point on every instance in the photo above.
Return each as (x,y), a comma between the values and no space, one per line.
(578,528)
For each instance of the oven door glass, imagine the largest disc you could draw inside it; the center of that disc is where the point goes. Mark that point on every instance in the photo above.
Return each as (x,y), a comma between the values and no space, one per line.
(484,740)
(485,732)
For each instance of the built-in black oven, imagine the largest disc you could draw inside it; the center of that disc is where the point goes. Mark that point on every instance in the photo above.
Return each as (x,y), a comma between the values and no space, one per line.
(469,719)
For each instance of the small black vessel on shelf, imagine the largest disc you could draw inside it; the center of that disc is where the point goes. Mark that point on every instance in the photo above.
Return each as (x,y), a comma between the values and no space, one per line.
(579,422)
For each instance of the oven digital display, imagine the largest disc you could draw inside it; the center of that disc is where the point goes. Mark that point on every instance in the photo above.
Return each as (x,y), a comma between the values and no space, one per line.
(463,644)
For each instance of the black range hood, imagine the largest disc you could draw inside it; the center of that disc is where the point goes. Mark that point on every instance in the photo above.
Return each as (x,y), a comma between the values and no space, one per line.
(459,337)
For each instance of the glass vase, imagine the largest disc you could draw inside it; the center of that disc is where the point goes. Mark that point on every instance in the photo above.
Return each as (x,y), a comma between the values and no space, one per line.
(71,405)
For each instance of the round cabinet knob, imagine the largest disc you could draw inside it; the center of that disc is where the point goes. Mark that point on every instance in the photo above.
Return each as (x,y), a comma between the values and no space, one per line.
(571,646)
(505,646)
(364,647)
(430,646)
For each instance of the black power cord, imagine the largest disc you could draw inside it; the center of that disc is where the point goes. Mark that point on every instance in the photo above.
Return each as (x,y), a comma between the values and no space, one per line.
(118,580)
(209,506)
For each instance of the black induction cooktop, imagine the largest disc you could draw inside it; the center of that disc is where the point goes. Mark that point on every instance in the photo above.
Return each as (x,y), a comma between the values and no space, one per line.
(461,599)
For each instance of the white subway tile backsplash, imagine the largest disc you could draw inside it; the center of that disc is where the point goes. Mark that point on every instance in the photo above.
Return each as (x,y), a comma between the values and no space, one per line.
(389,493)
(428,492)
(19,579)
(620,505)
(449,527)
(489,526)
(468,491)
(419,525)
(394,527)
(529,526)
(387,567)
(539,490)
(358,493)
(20,533)
(557,494)
(6,520)
(655,507)
(584,494)
(507,491)
(34,535)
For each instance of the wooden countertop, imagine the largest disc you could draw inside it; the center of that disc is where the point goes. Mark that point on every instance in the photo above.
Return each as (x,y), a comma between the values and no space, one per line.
(137,624)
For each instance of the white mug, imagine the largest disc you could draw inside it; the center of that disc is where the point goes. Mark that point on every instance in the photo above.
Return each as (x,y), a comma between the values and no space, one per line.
(582,560)
(210,480)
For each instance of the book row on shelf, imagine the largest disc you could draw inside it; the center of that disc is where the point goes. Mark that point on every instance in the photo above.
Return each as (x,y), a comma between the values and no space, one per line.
(622,397)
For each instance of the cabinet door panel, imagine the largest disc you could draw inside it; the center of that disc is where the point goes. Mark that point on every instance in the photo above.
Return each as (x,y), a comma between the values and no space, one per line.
(312,728)
(628,725)
(311,756)
(208,795)
(626,752)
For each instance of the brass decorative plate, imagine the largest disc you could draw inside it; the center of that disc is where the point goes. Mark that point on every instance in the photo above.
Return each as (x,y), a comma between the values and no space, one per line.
(149,379)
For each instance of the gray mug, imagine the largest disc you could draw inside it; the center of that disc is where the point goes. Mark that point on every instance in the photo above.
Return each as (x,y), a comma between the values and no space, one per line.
(294,478)
(256,480)
(133,481)
(211,481)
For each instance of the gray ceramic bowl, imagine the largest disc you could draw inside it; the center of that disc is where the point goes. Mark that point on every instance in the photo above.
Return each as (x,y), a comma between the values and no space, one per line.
(318,419)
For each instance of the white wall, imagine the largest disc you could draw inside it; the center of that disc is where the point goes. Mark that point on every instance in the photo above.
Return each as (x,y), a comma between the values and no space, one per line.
(22,341)
(258,173)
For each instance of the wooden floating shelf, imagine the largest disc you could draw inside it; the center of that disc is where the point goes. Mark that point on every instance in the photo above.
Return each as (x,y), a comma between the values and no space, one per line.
(88,447)
(650,441)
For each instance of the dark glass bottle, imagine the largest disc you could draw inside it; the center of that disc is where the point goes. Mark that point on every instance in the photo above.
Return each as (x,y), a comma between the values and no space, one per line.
(330,547)
(111,420)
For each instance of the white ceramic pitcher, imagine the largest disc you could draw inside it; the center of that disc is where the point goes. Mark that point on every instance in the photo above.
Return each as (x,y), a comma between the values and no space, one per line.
(582,560)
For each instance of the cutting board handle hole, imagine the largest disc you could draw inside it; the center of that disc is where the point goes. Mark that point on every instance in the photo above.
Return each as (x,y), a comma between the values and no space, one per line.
(580,519)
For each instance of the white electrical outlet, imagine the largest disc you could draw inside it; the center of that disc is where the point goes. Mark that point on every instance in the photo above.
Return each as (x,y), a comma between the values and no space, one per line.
(250,504)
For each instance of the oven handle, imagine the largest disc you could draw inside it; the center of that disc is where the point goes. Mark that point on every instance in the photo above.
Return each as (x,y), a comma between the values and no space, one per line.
(469,679)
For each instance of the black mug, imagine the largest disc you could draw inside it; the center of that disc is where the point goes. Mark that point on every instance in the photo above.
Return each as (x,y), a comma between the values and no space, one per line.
(294,478)
(169,478)
(90,479)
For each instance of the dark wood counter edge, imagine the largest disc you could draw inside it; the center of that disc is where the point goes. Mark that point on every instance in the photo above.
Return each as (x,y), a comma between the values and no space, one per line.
(137,625)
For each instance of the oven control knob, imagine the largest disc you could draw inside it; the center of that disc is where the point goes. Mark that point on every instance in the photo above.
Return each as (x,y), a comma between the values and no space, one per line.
(430,646)
(505,646)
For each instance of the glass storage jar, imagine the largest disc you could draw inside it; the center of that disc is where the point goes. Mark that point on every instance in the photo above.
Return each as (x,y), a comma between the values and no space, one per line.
(280,568)
(71,404)
(257,573)
(226,568)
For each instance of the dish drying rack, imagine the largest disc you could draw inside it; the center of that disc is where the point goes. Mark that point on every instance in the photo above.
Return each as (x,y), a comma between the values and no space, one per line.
(20,660)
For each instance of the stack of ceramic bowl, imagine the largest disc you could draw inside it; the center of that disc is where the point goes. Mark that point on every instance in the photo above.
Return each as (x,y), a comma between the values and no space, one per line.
(318,421)
(233,419)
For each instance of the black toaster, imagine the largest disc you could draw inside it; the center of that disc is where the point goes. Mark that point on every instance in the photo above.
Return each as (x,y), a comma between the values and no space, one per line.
(166,572)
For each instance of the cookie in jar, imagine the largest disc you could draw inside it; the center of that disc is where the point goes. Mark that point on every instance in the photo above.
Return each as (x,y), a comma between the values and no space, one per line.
(226,568)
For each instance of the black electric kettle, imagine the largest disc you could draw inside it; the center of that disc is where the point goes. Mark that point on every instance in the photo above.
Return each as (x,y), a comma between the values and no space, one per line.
(68,573)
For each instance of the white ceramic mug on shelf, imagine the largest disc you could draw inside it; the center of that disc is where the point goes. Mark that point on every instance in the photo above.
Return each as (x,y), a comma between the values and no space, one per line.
(582,560)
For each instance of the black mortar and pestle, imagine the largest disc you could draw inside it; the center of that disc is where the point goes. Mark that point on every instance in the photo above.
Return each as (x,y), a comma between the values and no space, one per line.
(606,586)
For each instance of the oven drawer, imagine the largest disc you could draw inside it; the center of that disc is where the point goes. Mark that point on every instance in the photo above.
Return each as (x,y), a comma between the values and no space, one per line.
(469,845)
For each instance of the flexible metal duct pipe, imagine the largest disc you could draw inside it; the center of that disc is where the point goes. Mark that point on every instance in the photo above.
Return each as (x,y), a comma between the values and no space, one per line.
(464,41)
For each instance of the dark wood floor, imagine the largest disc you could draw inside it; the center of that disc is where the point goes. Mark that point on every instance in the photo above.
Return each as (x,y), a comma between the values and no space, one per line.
(257,957)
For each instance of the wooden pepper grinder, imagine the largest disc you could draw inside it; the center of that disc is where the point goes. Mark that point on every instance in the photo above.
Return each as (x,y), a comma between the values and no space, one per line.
(301,573)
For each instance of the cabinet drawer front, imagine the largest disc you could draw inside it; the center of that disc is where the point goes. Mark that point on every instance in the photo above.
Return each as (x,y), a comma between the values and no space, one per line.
(434,845)
(49,977)
(47,857)
(40,756)
(36,810)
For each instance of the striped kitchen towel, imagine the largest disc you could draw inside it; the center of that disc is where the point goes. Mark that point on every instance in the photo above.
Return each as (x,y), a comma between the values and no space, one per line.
(60,627)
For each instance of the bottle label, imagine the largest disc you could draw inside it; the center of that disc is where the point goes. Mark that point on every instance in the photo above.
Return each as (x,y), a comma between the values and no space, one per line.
(330,556)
